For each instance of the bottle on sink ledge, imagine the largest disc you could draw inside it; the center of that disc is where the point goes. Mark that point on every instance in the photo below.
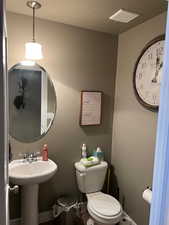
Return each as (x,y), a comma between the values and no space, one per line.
(45,153)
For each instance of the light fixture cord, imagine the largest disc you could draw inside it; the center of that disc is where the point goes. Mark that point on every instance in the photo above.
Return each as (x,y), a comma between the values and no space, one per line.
(33,24)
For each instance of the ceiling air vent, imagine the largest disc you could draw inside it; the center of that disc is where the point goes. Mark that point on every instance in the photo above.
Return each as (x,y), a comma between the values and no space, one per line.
(123,16)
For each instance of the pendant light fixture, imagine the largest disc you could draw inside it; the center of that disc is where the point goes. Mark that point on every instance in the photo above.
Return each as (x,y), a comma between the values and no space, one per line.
(33,50)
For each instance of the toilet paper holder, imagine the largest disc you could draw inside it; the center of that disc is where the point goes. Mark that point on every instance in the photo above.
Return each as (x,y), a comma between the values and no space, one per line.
(149,187)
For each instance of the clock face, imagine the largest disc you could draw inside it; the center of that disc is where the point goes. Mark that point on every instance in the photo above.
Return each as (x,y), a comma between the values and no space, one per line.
(148,74)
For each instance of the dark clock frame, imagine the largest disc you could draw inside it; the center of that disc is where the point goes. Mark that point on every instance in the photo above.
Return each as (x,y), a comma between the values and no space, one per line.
(140,100)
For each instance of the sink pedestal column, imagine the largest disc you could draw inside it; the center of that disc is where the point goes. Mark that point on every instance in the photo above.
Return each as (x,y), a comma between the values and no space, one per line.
(29,204)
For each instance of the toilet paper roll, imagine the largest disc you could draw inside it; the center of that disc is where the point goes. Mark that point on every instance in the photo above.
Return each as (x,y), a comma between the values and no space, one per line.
(147,195)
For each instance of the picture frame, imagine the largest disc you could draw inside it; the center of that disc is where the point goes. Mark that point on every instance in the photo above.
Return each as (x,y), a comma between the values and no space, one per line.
(91,108)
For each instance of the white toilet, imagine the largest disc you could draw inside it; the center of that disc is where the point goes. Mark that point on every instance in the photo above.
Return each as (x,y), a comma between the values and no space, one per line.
(103,208)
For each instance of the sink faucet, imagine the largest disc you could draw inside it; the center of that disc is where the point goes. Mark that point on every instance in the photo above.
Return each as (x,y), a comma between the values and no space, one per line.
(31,157)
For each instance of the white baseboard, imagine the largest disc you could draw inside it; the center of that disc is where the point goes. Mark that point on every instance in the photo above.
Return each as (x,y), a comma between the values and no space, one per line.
(43,218)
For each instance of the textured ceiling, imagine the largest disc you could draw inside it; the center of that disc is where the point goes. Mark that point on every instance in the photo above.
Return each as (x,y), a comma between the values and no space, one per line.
(92,14)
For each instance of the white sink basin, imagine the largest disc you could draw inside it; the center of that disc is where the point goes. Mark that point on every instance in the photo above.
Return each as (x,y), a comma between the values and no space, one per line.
(30,175)
(23,173)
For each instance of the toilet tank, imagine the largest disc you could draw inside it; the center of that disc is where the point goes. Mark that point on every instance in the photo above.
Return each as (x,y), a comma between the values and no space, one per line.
(90,179)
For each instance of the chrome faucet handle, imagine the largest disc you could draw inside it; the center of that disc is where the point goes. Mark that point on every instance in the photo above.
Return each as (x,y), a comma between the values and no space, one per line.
(24,155)
(34,156)
(37,154)
(31,155)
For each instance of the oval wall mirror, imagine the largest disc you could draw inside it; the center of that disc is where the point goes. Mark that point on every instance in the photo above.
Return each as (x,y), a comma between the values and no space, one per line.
(32,102)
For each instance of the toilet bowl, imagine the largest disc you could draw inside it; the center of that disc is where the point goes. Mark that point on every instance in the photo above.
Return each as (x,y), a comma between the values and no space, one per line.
(103,208)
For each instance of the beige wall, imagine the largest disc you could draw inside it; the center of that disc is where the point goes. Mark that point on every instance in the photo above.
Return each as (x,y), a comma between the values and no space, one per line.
(76,59)
(134,127)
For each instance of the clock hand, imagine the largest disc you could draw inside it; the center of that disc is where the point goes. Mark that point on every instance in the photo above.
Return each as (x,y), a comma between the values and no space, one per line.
(159,75)
(154,80)
(161,65)
(157,61)
(158,67)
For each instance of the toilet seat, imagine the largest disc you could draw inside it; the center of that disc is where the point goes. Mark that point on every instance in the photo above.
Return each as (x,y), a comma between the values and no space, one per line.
(104,208)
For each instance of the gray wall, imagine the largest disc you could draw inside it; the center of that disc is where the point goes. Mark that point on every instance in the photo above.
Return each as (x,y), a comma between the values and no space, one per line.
(76,59)
(134,128)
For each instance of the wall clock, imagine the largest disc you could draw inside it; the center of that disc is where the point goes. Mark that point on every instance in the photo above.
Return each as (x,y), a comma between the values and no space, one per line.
(148,73)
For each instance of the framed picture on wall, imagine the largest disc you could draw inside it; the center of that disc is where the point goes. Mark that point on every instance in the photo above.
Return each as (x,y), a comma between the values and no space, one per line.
(91,108)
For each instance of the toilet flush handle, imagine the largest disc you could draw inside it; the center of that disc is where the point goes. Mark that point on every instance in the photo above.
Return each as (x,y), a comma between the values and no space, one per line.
(82,174)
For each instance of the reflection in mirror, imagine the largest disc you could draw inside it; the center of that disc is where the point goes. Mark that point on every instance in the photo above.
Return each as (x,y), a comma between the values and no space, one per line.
(32,102)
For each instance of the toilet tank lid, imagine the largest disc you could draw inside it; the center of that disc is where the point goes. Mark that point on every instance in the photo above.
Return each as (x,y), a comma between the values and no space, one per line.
(81,168)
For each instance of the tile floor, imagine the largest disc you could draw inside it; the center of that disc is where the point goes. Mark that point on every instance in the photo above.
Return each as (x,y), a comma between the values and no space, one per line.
(48,223)
(82,219)
(54,223)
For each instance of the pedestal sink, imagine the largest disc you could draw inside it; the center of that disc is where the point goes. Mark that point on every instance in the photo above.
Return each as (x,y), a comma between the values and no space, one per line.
(29,175)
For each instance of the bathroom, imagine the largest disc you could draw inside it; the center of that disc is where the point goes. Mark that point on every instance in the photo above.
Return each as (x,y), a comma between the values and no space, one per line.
(83,50)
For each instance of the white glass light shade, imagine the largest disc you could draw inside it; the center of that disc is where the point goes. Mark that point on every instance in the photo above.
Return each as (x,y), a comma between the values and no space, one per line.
(27,63)
(33,51)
